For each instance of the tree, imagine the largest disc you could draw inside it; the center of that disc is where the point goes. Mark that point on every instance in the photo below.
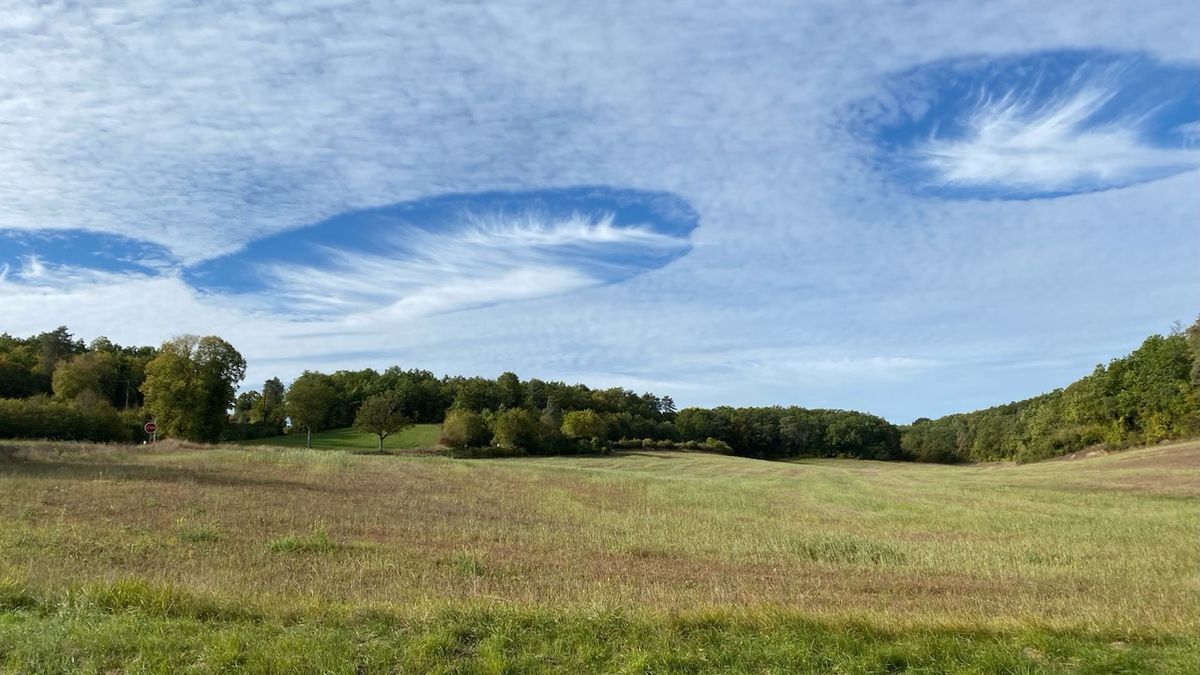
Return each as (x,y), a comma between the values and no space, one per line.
(584,424)
(16,379)
(516,428)
(465,429)
(308,402)
(381,415)
(476,394)
(56,345)
(243,408)
(190,386)
(794,432)
(272,402)
(512,392)
(1193,340)
(92,375)
(666,407)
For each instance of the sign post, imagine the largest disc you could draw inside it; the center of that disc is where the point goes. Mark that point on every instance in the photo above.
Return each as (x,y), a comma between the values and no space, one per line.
(151,429)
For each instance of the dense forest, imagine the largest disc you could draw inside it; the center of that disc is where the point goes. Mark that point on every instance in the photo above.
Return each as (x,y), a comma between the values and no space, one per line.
(53,385)
(1151,395)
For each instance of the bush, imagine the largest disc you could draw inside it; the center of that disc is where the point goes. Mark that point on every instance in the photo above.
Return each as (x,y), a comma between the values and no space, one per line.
(516,428)
(43,417)
(464,429)
(713,445)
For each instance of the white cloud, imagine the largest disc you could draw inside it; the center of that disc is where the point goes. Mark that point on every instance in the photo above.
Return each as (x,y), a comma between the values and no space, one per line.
(419,272)
(1014,142)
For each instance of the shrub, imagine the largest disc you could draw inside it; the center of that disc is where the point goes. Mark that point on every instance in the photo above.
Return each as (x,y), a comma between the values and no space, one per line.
(464,429)
(516,428)
(43,417)
(711,444)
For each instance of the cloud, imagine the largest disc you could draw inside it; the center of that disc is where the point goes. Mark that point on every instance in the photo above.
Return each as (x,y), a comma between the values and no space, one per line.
(453,252)
(428,275)
(32,273)
(1038,125)
(1050,147)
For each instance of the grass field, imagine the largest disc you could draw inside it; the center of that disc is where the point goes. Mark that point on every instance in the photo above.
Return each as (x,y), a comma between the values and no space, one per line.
(210,559)
(415,437)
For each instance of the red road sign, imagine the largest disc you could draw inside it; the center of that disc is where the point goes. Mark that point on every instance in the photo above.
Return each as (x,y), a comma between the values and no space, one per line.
(150,427)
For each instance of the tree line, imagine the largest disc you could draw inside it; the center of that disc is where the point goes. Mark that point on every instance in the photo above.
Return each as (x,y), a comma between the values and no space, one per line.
(55,386)
(1150,395)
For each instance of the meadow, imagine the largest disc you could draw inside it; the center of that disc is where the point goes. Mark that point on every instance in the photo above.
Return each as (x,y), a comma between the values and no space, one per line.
(204,559)
(416,437)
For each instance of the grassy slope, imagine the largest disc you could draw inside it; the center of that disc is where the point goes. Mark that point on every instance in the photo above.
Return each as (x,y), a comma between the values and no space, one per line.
(417,436)
(663,561)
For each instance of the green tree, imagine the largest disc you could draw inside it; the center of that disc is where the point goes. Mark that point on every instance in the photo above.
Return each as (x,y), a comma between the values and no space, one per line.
(666,407)
(308,401)
(16,379)
(56,345)
(190,386)
(511,391)
(476,394)
(584,424)
(272,402)
(381,415)
(516,428)
(465,429)
(92,376)
(245,406)
(1193,340)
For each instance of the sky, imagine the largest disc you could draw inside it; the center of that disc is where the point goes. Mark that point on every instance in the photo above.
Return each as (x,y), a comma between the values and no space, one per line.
(908,208)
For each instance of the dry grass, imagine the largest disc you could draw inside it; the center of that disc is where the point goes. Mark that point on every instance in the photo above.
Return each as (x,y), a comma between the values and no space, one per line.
(1109,543)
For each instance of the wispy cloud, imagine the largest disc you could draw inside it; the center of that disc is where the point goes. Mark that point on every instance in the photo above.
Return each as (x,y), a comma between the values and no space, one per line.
(1015,141)
(1031,125)
(492,259)
(32,273)
(454,252)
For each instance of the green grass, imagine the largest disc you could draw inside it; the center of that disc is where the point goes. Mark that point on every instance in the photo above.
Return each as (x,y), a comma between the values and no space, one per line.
(416,437)
(188,558)
(101,631)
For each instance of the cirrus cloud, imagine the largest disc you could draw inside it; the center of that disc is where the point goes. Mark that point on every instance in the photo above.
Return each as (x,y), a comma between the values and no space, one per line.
(1038,125)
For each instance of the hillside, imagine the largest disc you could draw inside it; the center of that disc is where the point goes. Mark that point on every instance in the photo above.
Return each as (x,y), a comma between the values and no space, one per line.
(512,561)
(1147,396)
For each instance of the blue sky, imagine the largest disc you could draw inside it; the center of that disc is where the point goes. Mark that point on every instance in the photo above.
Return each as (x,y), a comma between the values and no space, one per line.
(907,208)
